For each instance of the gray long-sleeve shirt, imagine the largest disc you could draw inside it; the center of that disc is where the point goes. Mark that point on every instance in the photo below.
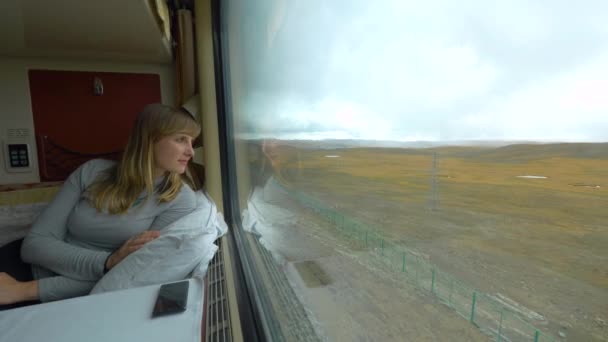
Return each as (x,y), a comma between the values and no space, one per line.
(70,241)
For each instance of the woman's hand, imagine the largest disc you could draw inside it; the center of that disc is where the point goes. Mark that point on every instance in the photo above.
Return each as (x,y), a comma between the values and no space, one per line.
(13,291)
(133,244)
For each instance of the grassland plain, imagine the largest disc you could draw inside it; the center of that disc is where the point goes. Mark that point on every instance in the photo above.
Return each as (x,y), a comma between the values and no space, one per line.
(348,293)
(542,242)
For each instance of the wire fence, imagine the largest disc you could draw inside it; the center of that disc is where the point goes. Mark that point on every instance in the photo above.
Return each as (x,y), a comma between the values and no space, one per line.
(482,310)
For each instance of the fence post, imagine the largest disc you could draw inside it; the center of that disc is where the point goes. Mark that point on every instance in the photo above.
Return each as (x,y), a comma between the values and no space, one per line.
(499,337)
(382,247)
(418,272)
(433,281)
(366,233)
(403,267)
(536,336)
(472,319)
(451,291)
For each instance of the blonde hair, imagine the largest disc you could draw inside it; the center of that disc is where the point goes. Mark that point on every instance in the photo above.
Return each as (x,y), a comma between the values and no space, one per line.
(119,187)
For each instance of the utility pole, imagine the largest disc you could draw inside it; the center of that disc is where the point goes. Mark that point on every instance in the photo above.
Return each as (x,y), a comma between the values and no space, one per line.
(433,196)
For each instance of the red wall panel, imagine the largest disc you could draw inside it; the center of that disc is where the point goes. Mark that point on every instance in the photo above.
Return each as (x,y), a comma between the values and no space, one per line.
(66,110)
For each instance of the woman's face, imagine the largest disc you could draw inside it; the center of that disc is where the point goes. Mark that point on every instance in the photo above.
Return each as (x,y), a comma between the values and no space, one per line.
(172,153)
(271,150)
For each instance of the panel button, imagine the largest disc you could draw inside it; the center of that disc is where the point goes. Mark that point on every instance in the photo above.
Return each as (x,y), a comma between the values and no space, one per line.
(19,155)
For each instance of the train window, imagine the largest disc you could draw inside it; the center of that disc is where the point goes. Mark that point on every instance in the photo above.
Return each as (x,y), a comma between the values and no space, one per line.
(420,170)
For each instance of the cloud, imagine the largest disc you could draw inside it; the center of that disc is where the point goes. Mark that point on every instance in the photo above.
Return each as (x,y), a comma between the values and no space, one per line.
(569,106)
(436,70)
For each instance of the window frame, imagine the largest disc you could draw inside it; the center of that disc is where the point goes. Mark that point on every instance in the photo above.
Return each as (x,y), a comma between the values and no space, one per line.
(254,323)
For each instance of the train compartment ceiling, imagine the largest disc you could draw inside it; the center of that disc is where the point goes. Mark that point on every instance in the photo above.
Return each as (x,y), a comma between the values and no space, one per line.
(133,30)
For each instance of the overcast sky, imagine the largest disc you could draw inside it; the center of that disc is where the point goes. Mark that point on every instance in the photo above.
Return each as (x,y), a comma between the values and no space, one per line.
(425,70)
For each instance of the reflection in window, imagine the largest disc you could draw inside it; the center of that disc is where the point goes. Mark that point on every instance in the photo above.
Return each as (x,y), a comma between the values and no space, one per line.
(423,170)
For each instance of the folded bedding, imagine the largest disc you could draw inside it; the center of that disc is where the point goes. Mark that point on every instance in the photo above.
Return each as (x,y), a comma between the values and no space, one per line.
(184,249)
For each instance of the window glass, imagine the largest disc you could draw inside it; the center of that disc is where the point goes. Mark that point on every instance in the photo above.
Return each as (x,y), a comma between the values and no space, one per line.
(421,171)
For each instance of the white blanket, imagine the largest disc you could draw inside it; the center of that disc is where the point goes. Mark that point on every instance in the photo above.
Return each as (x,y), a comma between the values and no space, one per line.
(184,248)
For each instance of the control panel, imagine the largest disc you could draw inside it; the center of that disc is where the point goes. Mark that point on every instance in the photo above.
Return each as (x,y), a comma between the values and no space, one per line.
(17,157)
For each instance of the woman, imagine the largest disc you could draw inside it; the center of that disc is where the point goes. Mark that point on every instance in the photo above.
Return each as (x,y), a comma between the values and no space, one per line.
(266,215)
(104,212)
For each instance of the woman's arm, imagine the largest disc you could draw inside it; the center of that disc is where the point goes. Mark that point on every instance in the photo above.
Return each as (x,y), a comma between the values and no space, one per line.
(45,289)
(45,244)
(60,287)
(14,291)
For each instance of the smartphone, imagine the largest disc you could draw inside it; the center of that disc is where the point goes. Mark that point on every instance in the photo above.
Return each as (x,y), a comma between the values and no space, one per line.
(172,298)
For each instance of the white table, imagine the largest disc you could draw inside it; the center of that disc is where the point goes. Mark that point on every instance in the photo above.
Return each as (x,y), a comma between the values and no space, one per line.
(114,316)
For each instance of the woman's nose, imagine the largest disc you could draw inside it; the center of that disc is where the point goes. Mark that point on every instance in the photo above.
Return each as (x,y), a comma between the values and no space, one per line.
(190,150)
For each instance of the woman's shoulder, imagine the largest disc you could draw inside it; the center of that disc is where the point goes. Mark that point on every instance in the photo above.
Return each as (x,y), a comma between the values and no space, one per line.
(99,164)
(188,199)
(183,204)
(93,167)
(186,194)
(88,171)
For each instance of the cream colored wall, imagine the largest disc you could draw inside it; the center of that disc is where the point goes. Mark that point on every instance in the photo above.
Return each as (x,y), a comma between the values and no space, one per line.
(15,104)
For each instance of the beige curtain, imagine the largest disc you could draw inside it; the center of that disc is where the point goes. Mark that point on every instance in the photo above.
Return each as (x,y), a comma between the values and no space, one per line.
(186,69)
(186,86)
